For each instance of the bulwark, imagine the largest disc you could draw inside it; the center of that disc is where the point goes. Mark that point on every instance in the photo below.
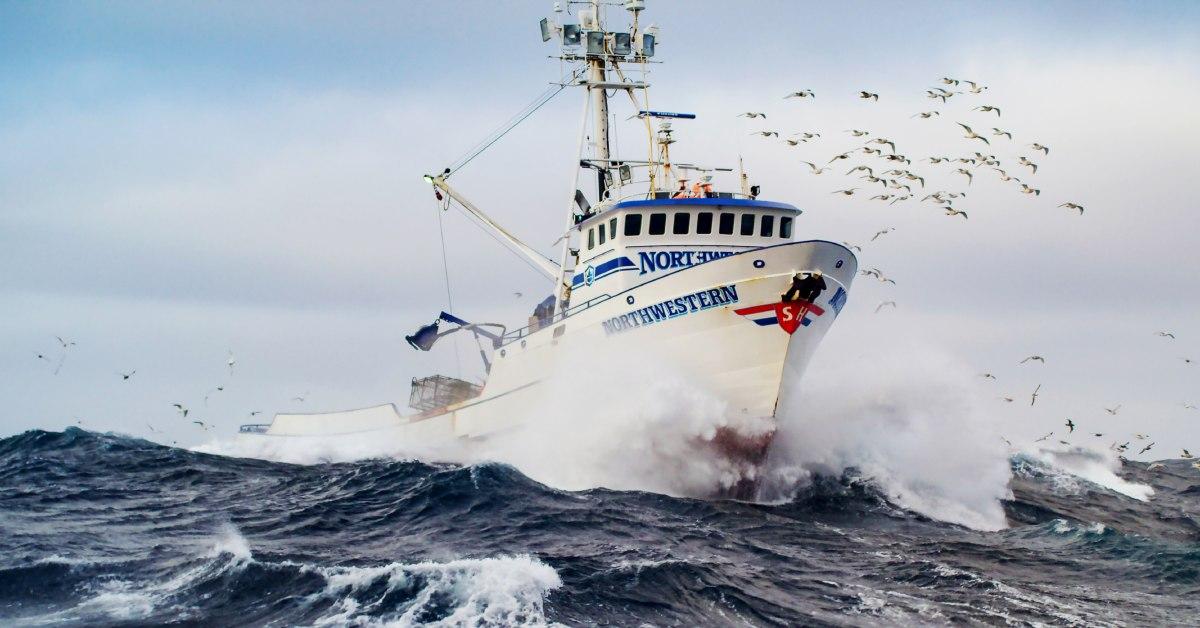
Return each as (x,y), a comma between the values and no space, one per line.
(672,308)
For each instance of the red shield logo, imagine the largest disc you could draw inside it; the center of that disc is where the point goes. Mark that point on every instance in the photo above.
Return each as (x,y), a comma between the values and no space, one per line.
(790,315)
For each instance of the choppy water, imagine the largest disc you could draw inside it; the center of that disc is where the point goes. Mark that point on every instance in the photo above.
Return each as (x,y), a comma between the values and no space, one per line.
(108,530)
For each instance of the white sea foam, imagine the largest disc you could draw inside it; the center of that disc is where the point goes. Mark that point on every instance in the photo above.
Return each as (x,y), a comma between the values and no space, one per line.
(1066,466)
(501,591)
(911,420)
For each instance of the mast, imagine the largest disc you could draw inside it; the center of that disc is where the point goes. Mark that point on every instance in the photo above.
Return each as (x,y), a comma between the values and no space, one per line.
(597,77)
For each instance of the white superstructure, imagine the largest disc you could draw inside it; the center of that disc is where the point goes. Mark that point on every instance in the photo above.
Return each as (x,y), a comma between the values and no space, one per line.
(716,280)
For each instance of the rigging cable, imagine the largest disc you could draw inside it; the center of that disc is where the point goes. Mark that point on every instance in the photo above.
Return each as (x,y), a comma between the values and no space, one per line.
(512,123)
(437,209)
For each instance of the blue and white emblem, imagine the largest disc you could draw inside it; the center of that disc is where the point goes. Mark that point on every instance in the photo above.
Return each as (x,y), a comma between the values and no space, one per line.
(589,275)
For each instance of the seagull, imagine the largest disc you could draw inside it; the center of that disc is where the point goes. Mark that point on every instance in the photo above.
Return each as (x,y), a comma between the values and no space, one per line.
(125,376)
(1189,406)
(868,96)
(1044,437)
(791,142)
(518,295)
(1070,426)
(849,192)
(867,150)
(1045,149)
(845,155)
(1004,176)
(1025,189)
(881,197)
(866,169)
(1165,334)
(1034,396)
(964,171)
(1146,448)
(987,376)
(1113,411)
(815,169)
(806,135)
(1024,161)
(975,87)
(766,133)
(950,211)
(1007,134)
(752,115)
(231,362)
(182,410)
(1141,436)
(299,398)
(925,115)
(885,303)
(1073,206)
(1098,435)
(1186,360)
(936,160)
(900,198)
(255,412)
(42,357)
(883,232)
(857,133)
(804,93)
(1186,455)
(1034,357)
(854,247)
(972,135)
(949,81)
(218,389)
(202,424)
(1006,399)
(65,344)
(884,140)
(987,108)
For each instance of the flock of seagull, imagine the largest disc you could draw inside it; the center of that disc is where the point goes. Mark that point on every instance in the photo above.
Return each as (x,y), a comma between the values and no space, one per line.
(181,409)
(899,182)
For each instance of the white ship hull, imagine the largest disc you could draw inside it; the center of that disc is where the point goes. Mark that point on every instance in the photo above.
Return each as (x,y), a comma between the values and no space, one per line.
(721,330)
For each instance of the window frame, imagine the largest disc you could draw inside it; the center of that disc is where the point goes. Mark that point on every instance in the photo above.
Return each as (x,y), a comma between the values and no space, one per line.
(662,229)
(766,226)
(634,220)
(785,227)
(721,228)
(681,217)
(700,219)
(746,228)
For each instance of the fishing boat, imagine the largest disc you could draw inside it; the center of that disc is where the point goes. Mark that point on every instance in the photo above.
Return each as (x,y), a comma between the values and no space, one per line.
(656,260)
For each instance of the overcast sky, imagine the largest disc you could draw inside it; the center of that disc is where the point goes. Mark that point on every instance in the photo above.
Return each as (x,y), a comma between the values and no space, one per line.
(181,180)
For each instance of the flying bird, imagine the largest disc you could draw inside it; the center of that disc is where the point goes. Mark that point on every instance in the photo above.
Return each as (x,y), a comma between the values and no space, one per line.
(231,362)
(853,247)
(868,96)
(882,232)
(950,211)
(1002,132)
(1025,189)
(1186,455)
(1006,399)
(987,108)
(1034,396)
(1044,437)
(1165,334)
(1045,149)
(752,115)
(182,410)
(1146,448)
(65,344)
(925,115)
(815,169)
(884,141)
(1113,410)
(967,173)
(154,429)
(882,305)
(987,376)
(202,425)
(845,155)
(1070,426)
(804,93)
(766,133)
(849,192)
(1034,357)
(1073,206)
(125,376)
(1024,161)
(518,295)
(866,169)
(972,135)
(857,133)
(975,87)
(949,81)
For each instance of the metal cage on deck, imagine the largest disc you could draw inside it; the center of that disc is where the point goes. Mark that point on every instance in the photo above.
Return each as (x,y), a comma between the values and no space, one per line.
(439,391)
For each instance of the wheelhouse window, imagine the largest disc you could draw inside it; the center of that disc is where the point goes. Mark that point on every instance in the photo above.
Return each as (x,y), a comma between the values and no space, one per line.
(725,227)
(766,226)
(681,223)
(658,224)
(591,239)
(633,224)
(612,229)
(602,233)
(704,223)
(785,227)
(747,224)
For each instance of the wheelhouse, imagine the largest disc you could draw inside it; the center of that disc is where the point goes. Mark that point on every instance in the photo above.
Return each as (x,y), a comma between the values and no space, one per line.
(635,241)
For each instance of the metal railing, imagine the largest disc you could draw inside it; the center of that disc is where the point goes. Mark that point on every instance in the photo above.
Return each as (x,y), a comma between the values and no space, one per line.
(561,316)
